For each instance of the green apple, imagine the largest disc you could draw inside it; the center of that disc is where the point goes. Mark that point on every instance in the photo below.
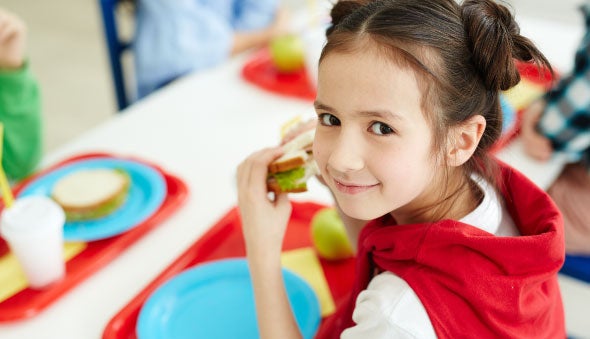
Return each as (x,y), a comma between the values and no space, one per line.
(328,235)
(287,53)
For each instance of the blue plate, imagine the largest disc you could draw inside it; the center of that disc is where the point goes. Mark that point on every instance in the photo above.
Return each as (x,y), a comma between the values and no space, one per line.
(146,193)
(215,300)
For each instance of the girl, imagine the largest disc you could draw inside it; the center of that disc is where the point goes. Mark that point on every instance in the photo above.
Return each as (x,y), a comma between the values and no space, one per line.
(451,243)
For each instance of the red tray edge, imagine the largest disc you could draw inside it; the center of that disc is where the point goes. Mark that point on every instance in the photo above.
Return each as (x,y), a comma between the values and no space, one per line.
(172,203)
(249,72)
(131,310)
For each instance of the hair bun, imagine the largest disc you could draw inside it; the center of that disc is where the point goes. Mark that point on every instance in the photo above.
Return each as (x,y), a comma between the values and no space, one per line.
(495,42)
(490,29)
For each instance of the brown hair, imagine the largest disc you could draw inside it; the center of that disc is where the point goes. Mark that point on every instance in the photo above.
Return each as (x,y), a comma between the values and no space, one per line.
(463,55)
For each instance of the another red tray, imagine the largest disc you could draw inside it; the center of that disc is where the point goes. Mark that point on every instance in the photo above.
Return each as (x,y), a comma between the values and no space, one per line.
(530,72)
(224,240)
(97,254)
(260,71)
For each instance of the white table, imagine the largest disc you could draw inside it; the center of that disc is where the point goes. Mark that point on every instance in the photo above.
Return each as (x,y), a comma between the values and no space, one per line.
(199,128)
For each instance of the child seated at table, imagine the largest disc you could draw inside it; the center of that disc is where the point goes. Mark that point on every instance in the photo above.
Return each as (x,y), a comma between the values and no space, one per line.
(560,122)
(173,38)
(20,106)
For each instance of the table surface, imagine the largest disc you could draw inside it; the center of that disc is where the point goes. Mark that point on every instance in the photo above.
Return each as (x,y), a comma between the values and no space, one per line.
(199,128)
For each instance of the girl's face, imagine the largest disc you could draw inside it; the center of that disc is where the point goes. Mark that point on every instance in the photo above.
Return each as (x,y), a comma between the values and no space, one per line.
(373,143)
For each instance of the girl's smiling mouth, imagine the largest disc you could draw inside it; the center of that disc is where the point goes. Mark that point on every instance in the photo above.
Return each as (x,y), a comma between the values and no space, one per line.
(352,188)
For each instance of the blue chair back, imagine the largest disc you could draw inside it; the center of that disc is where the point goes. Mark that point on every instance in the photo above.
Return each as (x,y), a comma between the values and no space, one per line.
(577,266)
(116,47)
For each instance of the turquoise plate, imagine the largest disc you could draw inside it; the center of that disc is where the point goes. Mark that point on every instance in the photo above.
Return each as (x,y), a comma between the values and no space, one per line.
(146,193)
(215,300)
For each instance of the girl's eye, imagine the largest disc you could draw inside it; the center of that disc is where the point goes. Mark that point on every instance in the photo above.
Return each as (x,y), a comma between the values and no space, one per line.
(327,119)
(380,128)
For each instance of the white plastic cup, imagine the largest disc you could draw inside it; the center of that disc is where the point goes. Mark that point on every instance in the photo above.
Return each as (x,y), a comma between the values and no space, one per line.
(33,228)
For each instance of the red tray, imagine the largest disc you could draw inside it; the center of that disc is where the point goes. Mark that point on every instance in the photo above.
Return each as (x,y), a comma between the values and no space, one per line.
(224,240)
(260,71)
(97,254)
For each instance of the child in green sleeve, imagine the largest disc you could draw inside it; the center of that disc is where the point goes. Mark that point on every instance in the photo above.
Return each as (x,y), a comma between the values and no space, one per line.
(20,107)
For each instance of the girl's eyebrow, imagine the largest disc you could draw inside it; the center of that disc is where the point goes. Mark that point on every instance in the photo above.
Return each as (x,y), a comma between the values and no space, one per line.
(318,105)
(382,114)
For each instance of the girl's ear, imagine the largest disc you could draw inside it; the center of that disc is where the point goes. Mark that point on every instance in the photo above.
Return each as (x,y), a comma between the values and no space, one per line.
(463,140)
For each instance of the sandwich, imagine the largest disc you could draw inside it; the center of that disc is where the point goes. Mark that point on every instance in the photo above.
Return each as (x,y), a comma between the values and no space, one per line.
(290,172)
(91,193)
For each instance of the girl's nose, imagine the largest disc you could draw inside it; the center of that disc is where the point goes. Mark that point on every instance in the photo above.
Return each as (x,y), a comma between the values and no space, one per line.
(346,155)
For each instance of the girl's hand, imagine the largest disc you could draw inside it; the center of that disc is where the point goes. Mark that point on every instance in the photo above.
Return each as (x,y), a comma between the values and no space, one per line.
(12,40)
(264,219)
(299,129)
(535,144)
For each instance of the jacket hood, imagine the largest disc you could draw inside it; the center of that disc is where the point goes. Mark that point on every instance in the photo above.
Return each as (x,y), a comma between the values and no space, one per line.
(473,283)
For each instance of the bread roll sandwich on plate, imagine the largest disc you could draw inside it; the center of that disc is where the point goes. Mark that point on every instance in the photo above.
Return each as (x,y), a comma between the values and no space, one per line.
(290,172)
(92,193)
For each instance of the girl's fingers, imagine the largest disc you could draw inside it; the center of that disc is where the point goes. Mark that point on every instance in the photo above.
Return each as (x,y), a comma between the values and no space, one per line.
(260,167)
(302,128)
(282,201)
(252,172)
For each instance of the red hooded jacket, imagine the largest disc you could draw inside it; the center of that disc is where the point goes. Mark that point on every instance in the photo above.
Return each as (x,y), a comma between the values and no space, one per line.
(474,284)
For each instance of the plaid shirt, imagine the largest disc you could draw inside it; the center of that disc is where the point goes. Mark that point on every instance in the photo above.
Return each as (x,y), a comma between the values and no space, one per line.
(566,119)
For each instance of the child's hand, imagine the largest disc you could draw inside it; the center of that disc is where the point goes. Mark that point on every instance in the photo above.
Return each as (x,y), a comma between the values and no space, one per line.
(299,129)
(264,221)
(535,144)
(12,40)
(280,25)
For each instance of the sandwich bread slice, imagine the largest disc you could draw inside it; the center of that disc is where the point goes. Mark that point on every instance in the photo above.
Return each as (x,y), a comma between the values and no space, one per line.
(92,193)
(295,167)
